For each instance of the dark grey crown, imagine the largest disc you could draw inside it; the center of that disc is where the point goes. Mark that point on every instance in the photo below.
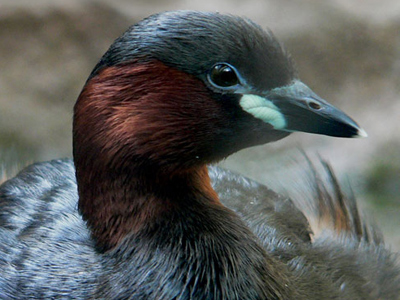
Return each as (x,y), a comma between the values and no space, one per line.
(194,41)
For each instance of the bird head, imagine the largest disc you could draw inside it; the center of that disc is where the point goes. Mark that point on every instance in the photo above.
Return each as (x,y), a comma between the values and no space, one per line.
(184,88)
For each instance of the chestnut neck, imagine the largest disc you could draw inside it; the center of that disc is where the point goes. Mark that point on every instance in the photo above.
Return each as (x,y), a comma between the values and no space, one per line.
(132,167)
(122,203)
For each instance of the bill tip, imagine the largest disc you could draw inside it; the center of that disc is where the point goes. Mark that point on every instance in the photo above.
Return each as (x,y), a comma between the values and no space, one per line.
(362,133)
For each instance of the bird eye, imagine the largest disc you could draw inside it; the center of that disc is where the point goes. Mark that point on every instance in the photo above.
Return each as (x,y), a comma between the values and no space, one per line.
(223,75)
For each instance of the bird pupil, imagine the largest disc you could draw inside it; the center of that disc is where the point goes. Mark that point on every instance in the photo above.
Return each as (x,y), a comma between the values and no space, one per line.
(224,76)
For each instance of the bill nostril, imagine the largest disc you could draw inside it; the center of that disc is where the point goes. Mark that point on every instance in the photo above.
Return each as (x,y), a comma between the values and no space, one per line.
(314,105)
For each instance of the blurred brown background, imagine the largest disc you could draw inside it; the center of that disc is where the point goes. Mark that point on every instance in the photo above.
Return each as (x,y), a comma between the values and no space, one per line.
(348,51)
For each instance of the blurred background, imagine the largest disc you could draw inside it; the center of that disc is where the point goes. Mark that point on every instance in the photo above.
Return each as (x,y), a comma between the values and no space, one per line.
(347,51)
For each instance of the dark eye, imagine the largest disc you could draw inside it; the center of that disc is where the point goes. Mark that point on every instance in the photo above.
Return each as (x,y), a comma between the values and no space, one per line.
(223,75)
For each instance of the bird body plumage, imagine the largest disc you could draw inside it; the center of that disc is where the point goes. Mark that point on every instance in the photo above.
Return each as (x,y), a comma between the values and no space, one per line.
(47,252)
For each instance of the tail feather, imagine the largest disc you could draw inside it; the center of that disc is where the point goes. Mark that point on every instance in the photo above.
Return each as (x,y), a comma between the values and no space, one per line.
(338,211)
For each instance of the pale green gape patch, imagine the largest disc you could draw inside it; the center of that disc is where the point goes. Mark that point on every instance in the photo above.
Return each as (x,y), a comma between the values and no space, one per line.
(263,109)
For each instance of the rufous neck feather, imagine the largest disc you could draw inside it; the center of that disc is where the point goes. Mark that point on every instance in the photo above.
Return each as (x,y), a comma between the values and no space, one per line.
(135,151)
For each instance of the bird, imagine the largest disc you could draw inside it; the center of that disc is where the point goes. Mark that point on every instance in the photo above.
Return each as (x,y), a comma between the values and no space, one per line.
(142,212)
